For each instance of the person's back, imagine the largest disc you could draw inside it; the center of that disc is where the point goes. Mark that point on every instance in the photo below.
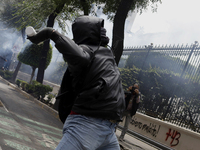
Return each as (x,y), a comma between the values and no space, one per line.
(91,94)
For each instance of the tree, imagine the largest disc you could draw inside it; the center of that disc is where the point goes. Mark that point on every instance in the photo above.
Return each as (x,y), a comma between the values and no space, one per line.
(63,10)
(7,12)
(31,55)
(117,10)
(50,23)
(67,10)
(18,14)
(39,7)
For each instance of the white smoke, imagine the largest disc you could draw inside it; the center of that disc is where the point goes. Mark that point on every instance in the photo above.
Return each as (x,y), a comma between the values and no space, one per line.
(130,21)
(175,22)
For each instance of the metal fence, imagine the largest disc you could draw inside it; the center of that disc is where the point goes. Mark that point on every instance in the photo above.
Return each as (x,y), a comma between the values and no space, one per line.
(182,106)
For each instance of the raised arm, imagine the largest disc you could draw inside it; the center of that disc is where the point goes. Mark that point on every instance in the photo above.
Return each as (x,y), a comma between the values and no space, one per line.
(76,56)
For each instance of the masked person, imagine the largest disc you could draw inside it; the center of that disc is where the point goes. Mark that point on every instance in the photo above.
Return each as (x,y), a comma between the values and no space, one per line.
(91,97)
(132,98)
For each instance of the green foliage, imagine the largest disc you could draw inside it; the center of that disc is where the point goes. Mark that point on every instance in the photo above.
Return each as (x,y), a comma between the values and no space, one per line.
(34,82)
(1,73)
(30,88)
(18,82)
(35,13)
(158,86)
(32,53)
(6,74)
(128,76)
(50,96)
(111,6)
(41,90)
(37,89)
(21,84)
(7,12)
(155,60)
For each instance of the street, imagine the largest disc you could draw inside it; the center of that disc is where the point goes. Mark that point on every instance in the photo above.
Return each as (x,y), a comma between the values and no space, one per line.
(24,125)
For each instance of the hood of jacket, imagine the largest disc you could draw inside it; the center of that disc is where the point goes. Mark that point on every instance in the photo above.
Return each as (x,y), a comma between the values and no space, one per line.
(87,30)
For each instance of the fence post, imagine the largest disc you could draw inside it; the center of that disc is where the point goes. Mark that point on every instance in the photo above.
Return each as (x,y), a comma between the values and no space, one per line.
(186,64)
(149,49)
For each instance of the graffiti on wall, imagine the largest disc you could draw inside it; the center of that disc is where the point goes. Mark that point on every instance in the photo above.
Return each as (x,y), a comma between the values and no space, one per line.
(152,128)
(175,136)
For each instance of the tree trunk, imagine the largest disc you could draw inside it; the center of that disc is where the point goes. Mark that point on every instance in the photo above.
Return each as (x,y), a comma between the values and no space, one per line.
(50,23)
(118,28)
(85,7)
(14,76)
(32,74)
(42,65)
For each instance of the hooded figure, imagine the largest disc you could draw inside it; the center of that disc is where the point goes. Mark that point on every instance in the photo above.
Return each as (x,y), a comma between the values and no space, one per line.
(91,97)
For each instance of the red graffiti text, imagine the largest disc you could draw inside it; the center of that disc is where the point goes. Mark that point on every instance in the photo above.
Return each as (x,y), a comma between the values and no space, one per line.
(175,135)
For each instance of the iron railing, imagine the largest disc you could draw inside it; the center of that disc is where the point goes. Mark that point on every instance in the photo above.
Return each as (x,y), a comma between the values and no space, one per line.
(181,108)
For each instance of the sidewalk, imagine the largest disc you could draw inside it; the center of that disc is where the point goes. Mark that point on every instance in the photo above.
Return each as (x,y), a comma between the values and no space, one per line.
(28,96)
(24,124)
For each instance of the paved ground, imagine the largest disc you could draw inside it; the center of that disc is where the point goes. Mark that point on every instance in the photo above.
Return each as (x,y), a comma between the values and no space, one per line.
(26,124)
(17,132)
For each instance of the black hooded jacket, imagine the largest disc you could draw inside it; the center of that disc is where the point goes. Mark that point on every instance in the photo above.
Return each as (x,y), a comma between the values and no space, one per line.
(91,85)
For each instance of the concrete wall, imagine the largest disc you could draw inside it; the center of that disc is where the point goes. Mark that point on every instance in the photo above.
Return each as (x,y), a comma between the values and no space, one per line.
(172,136)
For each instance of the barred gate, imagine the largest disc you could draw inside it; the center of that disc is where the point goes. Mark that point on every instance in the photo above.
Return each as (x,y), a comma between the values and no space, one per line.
(181,101)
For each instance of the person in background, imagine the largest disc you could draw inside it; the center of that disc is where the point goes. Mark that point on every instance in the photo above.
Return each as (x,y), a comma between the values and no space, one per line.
(132,98)
(91,97)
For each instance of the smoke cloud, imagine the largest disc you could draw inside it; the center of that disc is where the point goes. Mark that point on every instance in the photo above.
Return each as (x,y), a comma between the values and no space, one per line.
(175,22)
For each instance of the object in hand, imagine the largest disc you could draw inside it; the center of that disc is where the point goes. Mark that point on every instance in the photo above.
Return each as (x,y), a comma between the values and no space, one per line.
(30,31)
(41,36)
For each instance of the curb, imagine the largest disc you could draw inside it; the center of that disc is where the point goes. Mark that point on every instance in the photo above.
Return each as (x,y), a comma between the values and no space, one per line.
(30,97)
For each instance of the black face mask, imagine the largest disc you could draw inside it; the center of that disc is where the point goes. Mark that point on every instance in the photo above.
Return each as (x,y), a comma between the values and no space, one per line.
(104,38)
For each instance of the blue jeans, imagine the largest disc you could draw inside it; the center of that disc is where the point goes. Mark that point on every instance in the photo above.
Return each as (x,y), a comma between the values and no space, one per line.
(88,133)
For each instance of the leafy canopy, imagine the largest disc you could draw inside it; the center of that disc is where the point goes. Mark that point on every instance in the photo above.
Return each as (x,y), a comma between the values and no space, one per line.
(111,6)
(36,12)
(32,54)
